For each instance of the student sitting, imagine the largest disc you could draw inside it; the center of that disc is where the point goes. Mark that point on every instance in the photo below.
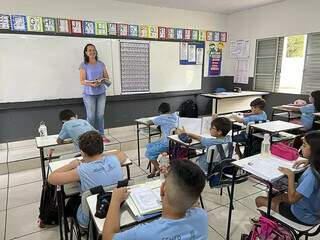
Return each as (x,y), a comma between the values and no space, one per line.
(95,169)
(256,114)
(308,110)
(220,127)
(72,127)
(301,204)
(181,218)
(167,121)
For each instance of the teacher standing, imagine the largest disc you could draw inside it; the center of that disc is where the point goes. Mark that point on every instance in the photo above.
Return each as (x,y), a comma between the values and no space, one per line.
(94,95)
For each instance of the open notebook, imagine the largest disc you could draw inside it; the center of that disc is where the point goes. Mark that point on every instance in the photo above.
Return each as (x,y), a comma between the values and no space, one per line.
(144,200)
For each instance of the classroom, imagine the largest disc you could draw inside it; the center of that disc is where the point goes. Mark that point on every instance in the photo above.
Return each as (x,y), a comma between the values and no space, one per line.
(159,119)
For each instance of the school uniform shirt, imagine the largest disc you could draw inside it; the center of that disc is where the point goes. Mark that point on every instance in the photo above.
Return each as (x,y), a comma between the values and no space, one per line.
(167,122)
(307,116)
(93,72)
(255,117)
(104,172)
(207,142)
(307,209)
(74,129)
(193,226)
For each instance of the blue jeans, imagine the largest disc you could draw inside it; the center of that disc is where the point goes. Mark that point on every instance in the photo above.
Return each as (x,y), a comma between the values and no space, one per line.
(95,105)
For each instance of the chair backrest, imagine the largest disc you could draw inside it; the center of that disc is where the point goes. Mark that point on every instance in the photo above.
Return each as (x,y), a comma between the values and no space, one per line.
(217,153)
(192,125)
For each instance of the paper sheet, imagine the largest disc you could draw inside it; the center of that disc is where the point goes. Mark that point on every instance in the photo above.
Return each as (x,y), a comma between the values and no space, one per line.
(145,199)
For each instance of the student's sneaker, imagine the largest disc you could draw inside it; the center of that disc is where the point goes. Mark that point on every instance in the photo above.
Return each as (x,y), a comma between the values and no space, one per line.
(105,140)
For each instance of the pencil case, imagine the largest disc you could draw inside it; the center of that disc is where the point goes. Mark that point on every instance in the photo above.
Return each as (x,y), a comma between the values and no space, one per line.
(284,151)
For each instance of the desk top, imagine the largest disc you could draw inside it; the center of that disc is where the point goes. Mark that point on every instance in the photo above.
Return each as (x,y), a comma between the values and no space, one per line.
(276,126)
(146,121)
(234,94)
(288,108)
(47,141)
(176,139)
(127,217)
(317,114)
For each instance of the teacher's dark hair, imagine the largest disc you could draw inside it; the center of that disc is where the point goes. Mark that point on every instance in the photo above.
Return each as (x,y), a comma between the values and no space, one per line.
(85,56)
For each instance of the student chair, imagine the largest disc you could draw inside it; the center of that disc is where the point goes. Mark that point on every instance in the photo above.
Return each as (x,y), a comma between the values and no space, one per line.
(298,230)
(220,168)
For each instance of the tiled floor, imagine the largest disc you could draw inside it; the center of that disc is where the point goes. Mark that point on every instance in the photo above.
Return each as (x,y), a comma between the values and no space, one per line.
(20,193)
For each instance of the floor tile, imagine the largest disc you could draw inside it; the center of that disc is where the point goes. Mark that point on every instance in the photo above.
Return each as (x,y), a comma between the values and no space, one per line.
(3,181)
(115,146)
(3,169)
(2,223)
(3,156)
(130,145)
(24,194)
(213,235)
(244,189)
(3,146)
(3,199)
(122,130)
(17,225)
(112,140)
(133,154)
(23,177)
(24,165)
(134,171)
(24,143)
(214,199)
(17,154)
(48,234)
(240,224)
(249,201)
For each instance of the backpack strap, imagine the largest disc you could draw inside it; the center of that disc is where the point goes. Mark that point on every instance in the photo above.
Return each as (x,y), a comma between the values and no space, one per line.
(96,190)
(222,152)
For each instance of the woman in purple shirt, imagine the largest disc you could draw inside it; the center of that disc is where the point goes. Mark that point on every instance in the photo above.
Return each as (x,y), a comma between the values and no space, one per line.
(94,94)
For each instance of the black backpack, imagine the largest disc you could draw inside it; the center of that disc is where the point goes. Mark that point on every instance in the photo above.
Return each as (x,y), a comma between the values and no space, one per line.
(48,210)
(189,109)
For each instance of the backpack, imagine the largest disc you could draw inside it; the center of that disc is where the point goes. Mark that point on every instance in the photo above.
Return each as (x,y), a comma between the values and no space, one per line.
(48,210)
(267,229)
(253,146)
(189,109)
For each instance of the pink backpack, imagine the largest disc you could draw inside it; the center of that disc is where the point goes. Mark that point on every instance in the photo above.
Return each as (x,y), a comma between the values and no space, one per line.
(266,229)
(284,151)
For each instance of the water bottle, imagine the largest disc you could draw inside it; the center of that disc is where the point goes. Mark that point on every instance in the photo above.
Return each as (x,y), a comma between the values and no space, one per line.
(163,161)
(42,129)
(265,146)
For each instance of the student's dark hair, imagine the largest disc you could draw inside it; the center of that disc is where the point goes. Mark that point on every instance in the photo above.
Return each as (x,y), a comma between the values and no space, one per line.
(184,183)
(313,140)
(91,143)
(66,114)
(316,97)
(164,108)
(222,124)
(258,102)
(85,56)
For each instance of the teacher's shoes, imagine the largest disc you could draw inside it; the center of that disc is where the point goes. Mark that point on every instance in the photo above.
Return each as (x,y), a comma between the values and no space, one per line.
(105,140)
(152,175)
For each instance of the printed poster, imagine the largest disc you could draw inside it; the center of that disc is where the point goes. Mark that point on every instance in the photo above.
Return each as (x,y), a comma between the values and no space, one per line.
(171,33)
(162,32)
(199,57)
(34,24)
(202,35)
(123,30)
(152,32)
(18,23)
(133,30)
(209,36)
(179,33)
(143,31)
(223,37)
(191,53)
(216,36)
(101,28)
(112,29)
(4,22)
(195,35)
(215,58)
(49,24)
(63,25)
(183,51)
(187,34)
(88,28)
(76,26)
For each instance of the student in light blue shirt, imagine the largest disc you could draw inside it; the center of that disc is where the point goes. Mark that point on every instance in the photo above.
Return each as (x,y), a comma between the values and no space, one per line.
(93,170)
(220,127)
(72,127)
(181,218)
(302,203)
(167,122)
(308,110)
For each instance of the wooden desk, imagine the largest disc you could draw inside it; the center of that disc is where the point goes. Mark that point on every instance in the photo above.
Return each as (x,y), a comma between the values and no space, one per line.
(227,102)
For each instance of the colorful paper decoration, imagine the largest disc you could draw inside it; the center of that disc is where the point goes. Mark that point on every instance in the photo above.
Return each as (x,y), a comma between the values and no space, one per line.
(143,31)
(63,26)
(76,26)
(112,29)
(4,22)
(209,36)
(223,36)
(88,27)
(195,35)
(133,30)
(216,36)
(187,34)
(179,33)
(202,35)
(18,23)
(101,28)
(152,32)
(123,29)
(34,24)
(171,33)
(49,24)
(162,32)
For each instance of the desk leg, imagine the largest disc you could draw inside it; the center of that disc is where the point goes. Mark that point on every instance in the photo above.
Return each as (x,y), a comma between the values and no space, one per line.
(43,167)
(138,142)
(272,114)
(128,172)
(65,221)
(59,211)
(269,199)
(231,204)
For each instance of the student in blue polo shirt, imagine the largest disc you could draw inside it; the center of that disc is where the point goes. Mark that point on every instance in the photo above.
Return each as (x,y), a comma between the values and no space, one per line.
(302,203)
(94,170)
(180,219)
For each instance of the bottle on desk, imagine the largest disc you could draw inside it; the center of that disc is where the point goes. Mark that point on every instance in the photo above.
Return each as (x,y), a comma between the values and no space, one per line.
(265,145)
(43,131)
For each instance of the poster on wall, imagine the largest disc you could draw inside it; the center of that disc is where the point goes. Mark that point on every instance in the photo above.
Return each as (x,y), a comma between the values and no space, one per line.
(133,30)
(18,23)
(123,29)
(4,22)
(215,58)
(162,31)
(101,28)
(112,29)
(152,32)
(241,71)
(49,24)
(88,28)
(191,53)
(187,34)
(34,24)
(183,51)
(76,26)
(63,25)
(199,56)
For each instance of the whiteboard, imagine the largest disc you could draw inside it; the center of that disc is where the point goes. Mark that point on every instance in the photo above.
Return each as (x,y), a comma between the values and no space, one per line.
(47,67)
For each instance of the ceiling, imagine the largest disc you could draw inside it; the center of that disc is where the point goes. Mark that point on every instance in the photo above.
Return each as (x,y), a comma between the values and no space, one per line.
(217,6)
